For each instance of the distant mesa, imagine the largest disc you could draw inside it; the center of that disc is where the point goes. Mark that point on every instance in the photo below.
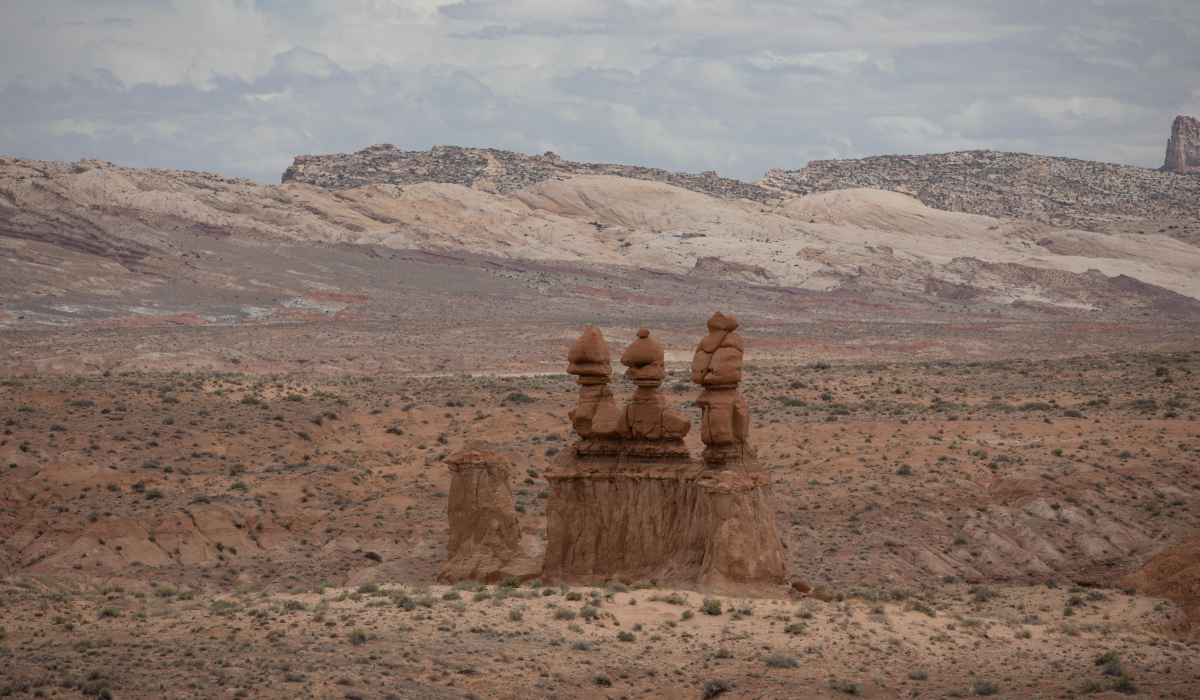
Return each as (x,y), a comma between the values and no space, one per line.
(1183,148)
(489,169)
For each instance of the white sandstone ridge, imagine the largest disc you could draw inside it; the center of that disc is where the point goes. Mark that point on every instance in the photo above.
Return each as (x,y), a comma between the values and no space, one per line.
(818,241)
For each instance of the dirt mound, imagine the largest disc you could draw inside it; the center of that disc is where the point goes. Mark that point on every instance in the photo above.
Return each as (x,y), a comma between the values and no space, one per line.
(1174,574)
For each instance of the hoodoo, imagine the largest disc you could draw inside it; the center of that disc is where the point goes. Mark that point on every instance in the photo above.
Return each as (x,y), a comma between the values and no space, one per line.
(737,507)
(485,536)
(631,502)
(647,416)
(590,361)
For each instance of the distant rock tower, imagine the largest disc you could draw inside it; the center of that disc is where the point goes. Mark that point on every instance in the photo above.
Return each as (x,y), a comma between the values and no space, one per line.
(1183,148)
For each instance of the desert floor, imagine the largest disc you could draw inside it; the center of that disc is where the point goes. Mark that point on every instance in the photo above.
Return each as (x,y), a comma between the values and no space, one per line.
(964,522)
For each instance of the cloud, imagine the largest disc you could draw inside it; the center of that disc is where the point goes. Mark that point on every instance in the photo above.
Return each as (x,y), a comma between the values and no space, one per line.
(737,86)
(106,22)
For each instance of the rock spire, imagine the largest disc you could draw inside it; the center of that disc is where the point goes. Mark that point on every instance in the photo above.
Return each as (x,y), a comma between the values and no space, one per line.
(717,366)
(647,416)
(589,359)
(1183,148)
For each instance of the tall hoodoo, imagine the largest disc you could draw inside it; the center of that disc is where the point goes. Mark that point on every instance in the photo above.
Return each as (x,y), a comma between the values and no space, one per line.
(647,416)
(590,361)
(717,366)
(737,507)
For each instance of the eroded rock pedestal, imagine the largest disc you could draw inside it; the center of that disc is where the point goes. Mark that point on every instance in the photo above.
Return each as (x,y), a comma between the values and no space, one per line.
(636,504)
(741,542)
(485,537)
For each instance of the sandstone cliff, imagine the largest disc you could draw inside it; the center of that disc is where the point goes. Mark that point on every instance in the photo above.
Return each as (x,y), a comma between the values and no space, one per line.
(1183,148)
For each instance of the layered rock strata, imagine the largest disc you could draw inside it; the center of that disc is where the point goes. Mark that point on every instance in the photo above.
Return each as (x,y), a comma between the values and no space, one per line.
(485,537)
(638,505)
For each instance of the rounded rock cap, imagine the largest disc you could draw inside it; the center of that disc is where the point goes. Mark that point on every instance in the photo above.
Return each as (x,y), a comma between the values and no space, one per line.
(722,322)
(643,351)
(589,356)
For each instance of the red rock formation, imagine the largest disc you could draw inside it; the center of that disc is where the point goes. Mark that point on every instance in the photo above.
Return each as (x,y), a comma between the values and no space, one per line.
(717,366)
(638,506)
(485,536)
(646,416)
(1183,148)
(742,543)
(597,414)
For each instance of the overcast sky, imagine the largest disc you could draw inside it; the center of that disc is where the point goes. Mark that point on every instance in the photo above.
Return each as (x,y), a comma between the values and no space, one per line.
(737,86)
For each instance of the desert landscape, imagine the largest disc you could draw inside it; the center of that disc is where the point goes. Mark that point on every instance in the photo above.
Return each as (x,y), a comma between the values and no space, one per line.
(424,424)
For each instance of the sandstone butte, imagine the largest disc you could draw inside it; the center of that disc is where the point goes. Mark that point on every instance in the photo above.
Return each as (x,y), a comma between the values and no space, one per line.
(1183,148)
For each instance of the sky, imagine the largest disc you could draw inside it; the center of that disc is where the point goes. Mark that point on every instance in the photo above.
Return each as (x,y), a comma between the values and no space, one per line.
(240,87)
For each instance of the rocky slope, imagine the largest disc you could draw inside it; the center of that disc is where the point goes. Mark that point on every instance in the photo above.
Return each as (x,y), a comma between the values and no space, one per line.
(183,263)
(1183,148)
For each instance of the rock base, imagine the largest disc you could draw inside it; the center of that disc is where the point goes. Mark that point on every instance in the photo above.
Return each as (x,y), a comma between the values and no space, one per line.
(645,510)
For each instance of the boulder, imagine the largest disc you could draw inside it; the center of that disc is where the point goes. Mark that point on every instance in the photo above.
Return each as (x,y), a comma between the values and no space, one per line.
(589,356)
